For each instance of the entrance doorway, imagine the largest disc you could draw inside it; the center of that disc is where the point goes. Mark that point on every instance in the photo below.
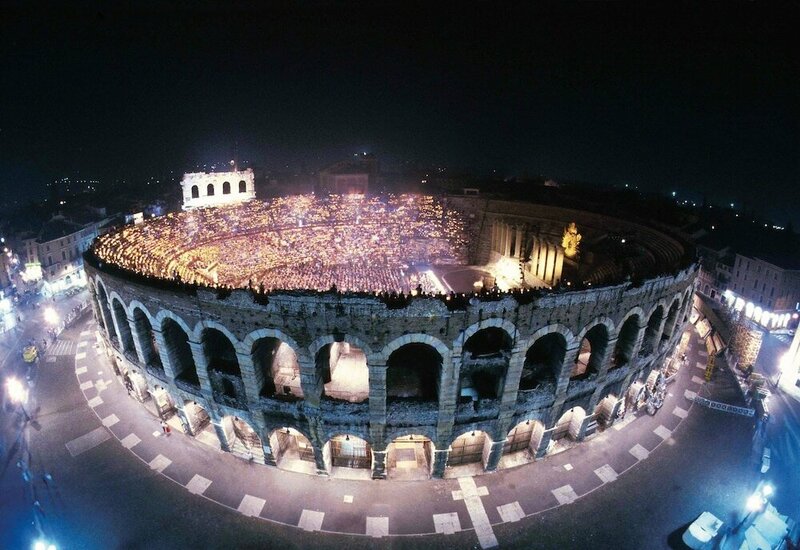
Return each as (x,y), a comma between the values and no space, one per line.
(292,451)
(409,458)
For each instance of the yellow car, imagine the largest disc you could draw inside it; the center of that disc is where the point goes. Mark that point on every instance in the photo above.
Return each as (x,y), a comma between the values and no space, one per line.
(30,353)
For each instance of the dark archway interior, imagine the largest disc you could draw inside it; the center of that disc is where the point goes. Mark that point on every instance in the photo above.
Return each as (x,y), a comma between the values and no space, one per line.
(220,353)
(488,342)
(124,329)
(593,350)
(147,338)
(179,352)
(264,351)
(626,340)
(543,361)
(651,332)
(413,372)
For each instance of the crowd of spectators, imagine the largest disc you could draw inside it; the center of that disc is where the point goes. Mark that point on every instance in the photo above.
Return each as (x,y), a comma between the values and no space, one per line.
(350,242)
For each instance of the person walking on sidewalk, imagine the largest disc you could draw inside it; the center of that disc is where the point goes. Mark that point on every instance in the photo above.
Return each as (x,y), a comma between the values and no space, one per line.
(165,428)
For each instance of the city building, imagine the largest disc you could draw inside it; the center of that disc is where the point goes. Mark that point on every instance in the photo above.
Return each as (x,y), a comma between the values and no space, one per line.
(203,189)
(54,255)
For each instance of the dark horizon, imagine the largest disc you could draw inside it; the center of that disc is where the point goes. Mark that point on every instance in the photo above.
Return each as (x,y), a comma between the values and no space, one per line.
(688,99)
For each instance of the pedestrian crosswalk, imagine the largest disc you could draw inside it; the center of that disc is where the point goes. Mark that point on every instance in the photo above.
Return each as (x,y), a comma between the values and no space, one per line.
(61,347)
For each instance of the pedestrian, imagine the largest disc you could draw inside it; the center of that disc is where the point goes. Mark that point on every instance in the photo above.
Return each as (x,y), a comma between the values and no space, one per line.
(165,428)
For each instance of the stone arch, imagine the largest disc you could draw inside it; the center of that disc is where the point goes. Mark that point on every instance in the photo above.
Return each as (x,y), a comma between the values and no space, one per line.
(627,337)
(210,190)
(468,332)
(242,186)
(342,363)
(197,333)
(120,313)
(672,318)
(545,353)
(593,347)
(525,434)
(485,358)
(105,311)
(347,450)
(226,188)
(652,332)
(176,334)
(402,431)
(414,367)
(241,438)
(469,447)
(275,363)
(222,363)
(143,325)
(195,192)
(291,448)
(569,424)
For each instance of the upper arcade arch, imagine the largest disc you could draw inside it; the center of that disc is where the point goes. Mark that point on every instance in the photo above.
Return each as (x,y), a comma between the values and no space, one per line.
(468,332)
(342,365)
(276,365)
(543,360)
(592,352)
(626,341)
(178,350)
(652,332)
(144,333)
(222,362)
(414,371)
(121,323)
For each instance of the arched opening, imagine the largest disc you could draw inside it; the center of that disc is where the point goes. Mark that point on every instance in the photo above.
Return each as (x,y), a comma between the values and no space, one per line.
(672,321)
(468,448)
(591,354)
(223,365)
(243,441)
(522,443)
(199,423)
(121,319)
(226,188)
(278,365)
(344,372)
(626,341)
(210,190)
(651,333)
(105,314)
(484,364)
(543,362)
(569,425)
(606,410)
(242,186)
(164,406)
(195,192)
(147,339)
(345,453)
(292,451)
(413,372)
(409,458)
(179,352)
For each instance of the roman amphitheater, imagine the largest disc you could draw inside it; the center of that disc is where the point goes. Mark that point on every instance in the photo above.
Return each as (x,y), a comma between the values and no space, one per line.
(397,336)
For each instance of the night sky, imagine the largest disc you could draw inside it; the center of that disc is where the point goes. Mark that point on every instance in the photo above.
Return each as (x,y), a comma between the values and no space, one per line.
(666,99)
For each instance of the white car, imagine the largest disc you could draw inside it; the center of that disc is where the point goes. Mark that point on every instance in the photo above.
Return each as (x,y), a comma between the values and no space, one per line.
(703,531)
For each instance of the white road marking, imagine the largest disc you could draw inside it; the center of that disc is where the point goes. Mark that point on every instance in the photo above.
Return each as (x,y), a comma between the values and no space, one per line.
(311,520)
(110,420)
(606,473)
(680,413)
(511,512)
(130,440)
(198,485)
(87,441)
(251,506)
(81,370)
(159,463)
(639,452)
(698,380)
(565,494)
(472,494)
(377,526)
(446,523)
(568,467)
(95,401)
(348,499)
(86,385)
(690,395)
(662,432)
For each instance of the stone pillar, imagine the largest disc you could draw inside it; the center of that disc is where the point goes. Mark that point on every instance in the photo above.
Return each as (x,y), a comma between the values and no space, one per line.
(252,388)
(448,394)
(377,405)
(507,240)
(181,414)
(221,435)
(166,363)
(378,464)
(544,443)
(310,381)
(440,462)
(611,349)
(266,446)
(495,454)
(570,355)
(519,248)
(142,351)
(201,366)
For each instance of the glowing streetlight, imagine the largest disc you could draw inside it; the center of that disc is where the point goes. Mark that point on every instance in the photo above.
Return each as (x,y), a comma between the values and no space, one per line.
(18,393)
(51,316)
(42,545)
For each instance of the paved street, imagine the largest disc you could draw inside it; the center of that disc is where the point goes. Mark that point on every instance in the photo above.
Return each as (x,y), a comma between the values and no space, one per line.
(118,483)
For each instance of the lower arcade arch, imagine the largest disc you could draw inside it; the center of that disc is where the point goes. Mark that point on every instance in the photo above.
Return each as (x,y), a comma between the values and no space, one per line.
(242,439)
(277,363)
(344,372)
(344,453)
(199,423)
(522,443)
(569,425)
(607,409)
(292,450)
(409,458)
(470,448)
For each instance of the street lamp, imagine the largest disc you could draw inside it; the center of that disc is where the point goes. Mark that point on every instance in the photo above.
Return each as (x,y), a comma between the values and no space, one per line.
(755,503)
(18,393)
